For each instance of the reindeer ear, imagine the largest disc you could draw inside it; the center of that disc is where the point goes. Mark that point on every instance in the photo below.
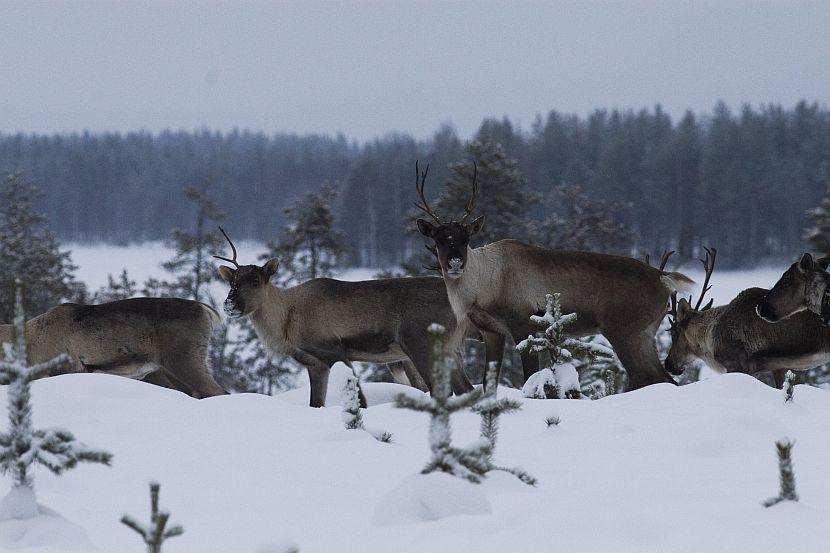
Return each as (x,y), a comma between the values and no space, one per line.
(426,228)
(823,261)
(476,225)
(226,273)
(805,264)
(270,267)
(683,309)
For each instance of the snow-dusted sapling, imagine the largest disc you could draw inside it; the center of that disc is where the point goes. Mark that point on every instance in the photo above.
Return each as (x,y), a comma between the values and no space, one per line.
(471,463)
(490,407)
(789,386)
(352,413)
(157,531)
(22,446)
(352,417)
(558,378)
(786,475)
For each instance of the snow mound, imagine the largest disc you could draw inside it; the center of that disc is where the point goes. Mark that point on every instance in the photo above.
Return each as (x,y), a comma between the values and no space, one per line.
(376,393)
(429,497)
(21,527)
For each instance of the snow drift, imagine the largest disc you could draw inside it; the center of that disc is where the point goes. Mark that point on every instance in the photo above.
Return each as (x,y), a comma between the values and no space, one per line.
(659,469)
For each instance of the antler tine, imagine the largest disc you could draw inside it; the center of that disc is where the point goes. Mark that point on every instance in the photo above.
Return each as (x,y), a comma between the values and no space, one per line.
(233,249)
(708,267)
(665,259)
(420,182)
(471,203)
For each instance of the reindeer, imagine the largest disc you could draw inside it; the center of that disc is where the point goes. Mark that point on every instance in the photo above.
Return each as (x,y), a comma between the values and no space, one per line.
(732,338)
(498,286)
(163,341)
(323,321)
(802,287)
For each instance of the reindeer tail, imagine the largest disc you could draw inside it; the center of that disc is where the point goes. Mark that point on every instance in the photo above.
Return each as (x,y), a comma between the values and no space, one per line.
(677,282)
(215,318)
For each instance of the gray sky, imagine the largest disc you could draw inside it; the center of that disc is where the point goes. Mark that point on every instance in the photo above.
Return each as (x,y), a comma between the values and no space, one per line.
(371,67)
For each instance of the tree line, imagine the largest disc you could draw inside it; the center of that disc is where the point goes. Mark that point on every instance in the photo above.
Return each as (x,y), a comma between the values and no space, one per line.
(741,180)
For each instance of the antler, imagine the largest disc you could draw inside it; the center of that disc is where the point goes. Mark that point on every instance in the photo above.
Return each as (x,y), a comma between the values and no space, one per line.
(708,267)
(663,260)
(233,249)
(420,181)
(471,203)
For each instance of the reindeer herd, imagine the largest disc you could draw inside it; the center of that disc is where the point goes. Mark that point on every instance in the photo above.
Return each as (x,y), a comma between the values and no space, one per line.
(486,293)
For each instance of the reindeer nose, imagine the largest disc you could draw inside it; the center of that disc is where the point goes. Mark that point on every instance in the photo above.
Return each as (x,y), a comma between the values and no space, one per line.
(455,264)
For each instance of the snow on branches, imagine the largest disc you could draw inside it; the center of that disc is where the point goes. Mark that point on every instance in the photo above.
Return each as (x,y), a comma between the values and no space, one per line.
(157,531)
(353,415)
(22,446)
(490,407)
(786,474)
(557,354)
(470,463)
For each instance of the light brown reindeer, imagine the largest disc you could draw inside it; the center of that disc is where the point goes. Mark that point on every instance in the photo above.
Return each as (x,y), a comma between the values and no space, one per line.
(498,286)
(733,338)
(323,321)
(160,340)
(805,286)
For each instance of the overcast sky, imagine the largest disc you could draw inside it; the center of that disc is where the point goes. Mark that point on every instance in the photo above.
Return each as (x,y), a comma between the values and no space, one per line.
(367,68)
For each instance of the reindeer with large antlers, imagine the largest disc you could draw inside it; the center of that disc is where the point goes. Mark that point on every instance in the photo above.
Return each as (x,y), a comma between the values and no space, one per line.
(323,321)
(733,338)
(498,286)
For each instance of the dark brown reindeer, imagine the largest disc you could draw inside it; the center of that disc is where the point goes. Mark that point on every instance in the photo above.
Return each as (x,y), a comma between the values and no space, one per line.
(498,286)
(159,340)
(323,321)
(802,287)
(733,338)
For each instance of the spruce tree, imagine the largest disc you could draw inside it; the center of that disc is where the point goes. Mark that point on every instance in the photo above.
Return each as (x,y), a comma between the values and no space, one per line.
(502,194)
(121,289)
(819,236)
(192,266)
(310,245)
(352,417)
(155,533)
(789,386)
(558,378)
(30,253)
(786,474)
(490,407)
(471,463)
(22,446)
(577,222)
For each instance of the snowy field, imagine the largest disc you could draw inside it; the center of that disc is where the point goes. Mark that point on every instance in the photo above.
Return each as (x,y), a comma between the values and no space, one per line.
(663,469)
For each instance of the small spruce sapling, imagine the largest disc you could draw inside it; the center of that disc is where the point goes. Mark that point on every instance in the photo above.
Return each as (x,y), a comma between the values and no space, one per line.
(471,463)
(558,378)
(157,531)
(490,407)
(789,387)
(786,475)
(353,415)
(23,446)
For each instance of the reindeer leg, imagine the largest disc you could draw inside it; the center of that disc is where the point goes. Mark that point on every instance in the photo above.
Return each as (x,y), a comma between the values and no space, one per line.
(638,355)
(318,376)
(458,379)
(493,353)
(414,377)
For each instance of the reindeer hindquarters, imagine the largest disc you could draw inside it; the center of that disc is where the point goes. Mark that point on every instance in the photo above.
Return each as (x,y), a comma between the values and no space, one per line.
(187,368)
(638,355)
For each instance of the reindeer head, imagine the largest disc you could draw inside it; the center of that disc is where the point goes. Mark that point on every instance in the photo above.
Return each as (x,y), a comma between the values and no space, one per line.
(451,239)
(684,319)
(803,286)
(248,283)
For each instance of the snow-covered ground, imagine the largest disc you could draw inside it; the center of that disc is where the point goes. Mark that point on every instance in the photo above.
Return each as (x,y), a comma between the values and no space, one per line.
(663,469)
